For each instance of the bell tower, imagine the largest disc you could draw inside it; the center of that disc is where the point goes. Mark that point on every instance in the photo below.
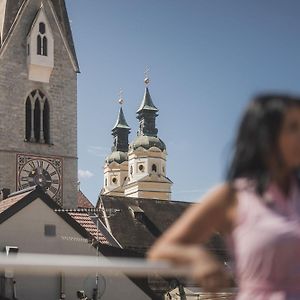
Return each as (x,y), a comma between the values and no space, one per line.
(147,156)
(116,164)
(38,99)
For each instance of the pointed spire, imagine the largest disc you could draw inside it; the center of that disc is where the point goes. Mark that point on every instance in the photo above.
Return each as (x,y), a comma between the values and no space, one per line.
(63,18)
(121,121)
(147,103)
(147,112)
(8,12)
(121,130)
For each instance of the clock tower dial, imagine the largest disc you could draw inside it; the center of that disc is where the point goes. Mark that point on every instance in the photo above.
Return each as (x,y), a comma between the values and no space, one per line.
(42,171)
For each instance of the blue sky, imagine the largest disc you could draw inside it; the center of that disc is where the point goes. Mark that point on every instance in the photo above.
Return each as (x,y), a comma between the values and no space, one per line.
(207,58)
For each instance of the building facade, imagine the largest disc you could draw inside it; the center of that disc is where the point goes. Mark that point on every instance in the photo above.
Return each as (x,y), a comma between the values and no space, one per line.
(58,231)
(139,169)
(38,99)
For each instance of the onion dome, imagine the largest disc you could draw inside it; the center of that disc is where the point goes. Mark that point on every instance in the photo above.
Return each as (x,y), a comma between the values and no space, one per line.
(147,142)
(117,156)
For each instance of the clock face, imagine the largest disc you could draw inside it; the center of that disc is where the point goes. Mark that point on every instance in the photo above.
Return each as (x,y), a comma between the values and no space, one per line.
(45,172)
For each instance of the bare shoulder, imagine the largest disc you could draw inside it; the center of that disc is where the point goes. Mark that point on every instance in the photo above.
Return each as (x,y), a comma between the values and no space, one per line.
(222,195)
(220,204)
(213,212)
(210,214)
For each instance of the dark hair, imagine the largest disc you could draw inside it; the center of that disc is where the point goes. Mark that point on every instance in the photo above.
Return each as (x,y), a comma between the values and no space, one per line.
(257,138)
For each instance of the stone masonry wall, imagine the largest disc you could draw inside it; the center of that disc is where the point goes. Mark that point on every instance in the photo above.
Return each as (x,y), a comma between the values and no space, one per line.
(61,92)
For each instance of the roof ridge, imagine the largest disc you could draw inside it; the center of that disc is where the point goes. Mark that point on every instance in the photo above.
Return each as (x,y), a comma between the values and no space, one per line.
(83,200)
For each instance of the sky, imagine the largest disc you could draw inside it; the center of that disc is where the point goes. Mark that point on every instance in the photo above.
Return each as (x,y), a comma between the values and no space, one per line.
(207,58)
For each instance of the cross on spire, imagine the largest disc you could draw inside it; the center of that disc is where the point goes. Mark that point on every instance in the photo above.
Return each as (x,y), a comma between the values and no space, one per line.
(121,99)
(147,77)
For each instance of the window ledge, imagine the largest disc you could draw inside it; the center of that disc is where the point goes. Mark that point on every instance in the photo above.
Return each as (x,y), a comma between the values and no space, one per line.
(46,144)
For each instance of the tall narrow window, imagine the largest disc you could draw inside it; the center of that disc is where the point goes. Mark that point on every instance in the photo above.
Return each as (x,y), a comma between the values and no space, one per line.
(42,42)
(28,120)
(37,120)
(154,168)
(37,116)
(39,45)
(42,28)
(45,46)
(46,121)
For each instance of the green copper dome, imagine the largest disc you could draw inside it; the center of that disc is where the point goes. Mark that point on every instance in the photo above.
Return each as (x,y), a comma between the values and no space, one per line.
(147,142)
(117,156)
(147,103)
(121,122)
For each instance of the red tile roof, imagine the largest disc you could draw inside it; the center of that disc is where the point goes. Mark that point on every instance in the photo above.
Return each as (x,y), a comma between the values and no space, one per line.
(83,201)
(6,203)
(84,219)
(81,217)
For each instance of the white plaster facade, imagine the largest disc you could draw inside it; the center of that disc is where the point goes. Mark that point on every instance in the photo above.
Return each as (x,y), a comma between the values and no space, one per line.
(147,174)
(115,176)
(40,66)
(25,229)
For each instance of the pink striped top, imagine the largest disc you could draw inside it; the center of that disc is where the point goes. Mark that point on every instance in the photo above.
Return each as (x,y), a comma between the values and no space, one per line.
(265,243)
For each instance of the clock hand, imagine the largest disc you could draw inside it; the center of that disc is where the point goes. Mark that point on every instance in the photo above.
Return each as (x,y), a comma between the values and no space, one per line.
(39,170)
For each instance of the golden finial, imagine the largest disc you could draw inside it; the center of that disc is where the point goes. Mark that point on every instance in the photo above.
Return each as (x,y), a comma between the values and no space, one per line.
(147,77)
(121,99)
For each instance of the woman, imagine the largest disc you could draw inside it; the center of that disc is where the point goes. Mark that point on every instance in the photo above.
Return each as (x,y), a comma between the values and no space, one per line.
(257,209)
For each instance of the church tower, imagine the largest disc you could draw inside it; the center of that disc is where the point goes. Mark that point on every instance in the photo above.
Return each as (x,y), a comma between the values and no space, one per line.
(147,156)
(116,164)
(38,99)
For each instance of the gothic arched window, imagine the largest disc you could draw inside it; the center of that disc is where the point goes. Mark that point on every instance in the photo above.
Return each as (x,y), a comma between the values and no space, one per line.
(28,119)
(39,45)
(42,42)
(46,122)
(37,120)
(37,124)
(45,46)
